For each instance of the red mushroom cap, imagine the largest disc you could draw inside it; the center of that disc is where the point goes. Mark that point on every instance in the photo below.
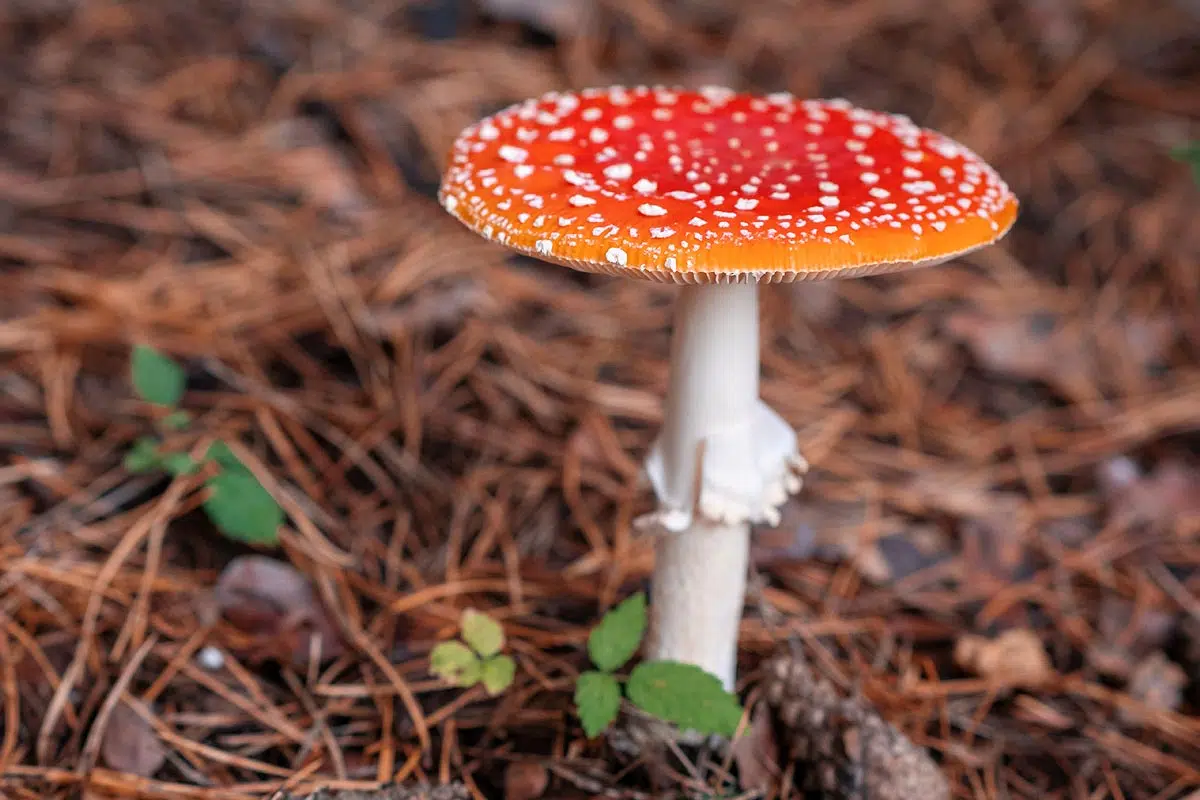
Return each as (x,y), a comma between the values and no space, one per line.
(710,185)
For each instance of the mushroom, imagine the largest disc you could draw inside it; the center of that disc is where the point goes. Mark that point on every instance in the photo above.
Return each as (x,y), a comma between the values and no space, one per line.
(718,191)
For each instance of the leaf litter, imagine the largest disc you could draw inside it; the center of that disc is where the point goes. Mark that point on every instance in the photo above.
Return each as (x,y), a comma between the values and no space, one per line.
(273,612)
(130,744)
(1002,448)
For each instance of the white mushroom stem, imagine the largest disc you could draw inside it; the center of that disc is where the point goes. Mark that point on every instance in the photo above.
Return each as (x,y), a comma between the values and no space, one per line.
(699,589)
(722,461)
(713,387)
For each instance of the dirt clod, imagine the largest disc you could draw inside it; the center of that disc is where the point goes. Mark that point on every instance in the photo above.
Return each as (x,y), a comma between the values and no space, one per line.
(1015,658)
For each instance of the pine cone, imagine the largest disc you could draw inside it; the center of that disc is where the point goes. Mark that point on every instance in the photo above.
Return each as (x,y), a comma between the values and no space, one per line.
(844,749)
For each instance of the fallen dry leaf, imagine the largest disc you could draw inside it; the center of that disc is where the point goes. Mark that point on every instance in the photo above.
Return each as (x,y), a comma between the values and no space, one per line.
(1035,345)
(1015,658)
(756,753)
(525,780)
(815,527)
(837,531)
(275,610)
(130,744)
(1061,351)
(1022,345)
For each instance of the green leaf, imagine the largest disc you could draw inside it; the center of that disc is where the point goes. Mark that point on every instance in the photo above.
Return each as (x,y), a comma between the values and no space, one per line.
(242,509)
(176,420)
(219,452)
(179,463)
(684,695)
(616,638)
(482,633)
(1189,154)
(597,700)
(143,456)
(156,378)
(497,674)
(454,663)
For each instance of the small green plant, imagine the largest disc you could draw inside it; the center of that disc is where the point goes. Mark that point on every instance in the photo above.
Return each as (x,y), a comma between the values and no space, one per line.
(682,694)
(238,504)
(479,660)
(1189,154)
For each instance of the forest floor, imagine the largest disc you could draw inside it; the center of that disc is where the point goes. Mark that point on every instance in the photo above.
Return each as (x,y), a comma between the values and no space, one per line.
(997,548)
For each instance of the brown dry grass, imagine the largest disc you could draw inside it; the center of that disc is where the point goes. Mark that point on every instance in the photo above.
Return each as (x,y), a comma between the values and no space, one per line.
(248,186)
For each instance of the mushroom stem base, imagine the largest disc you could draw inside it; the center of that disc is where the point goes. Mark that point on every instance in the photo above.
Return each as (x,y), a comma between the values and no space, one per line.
(699,588)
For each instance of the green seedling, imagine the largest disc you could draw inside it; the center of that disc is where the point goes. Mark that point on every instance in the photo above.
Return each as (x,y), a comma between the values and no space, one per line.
(237,503)
(678,693)
(477,658)
(156,378)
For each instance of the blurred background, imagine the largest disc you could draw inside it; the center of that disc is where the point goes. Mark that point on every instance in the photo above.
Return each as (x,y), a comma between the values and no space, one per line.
(997,550)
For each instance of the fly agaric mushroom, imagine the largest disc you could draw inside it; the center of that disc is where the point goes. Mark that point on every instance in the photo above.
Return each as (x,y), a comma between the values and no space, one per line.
(718,191)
